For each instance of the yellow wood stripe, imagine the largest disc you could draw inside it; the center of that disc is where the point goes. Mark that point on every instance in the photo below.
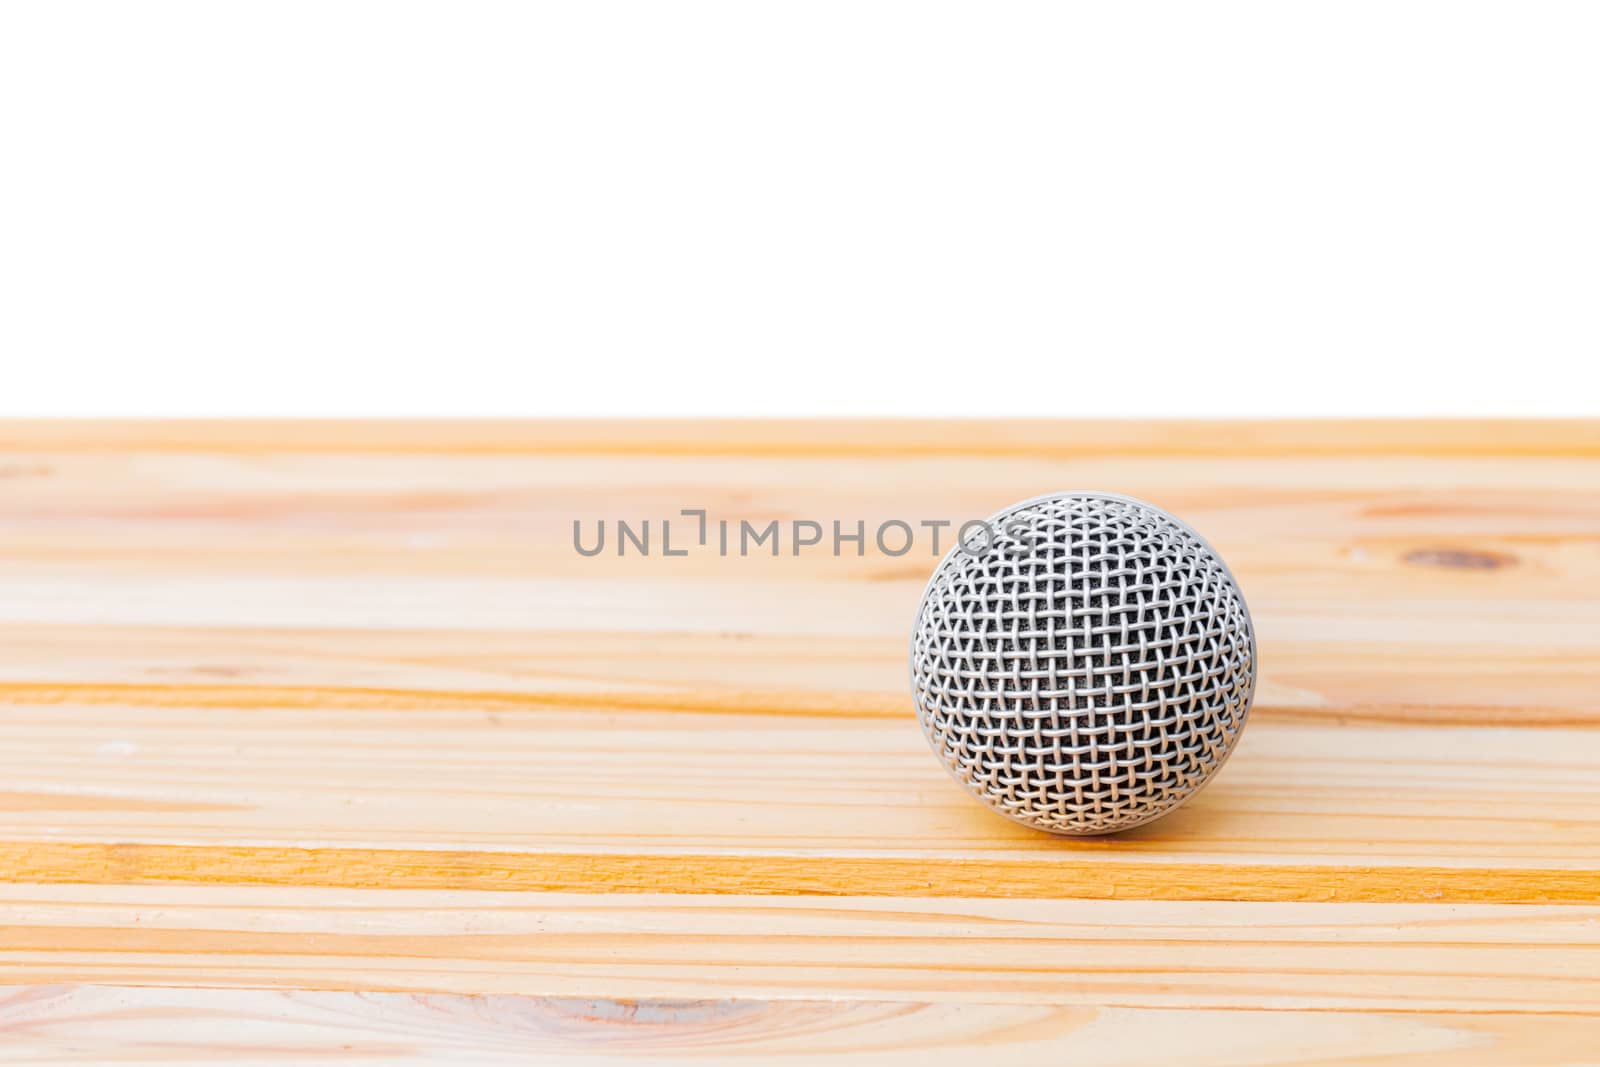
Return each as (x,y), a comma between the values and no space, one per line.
(1053,877)
(748,438)
(706,700)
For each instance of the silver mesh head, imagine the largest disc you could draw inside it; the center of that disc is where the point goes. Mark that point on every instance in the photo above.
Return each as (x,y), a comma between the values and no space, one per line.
(1088,668)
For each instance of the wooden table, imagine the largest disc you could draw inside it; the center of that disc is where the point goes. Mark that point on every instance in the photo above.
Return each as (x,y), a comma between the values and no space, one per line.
(321,738)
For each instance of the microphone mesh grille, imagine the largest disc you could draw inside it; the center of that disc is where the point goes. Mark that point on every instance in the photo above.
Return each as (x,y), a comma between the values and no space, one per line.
(1088,670)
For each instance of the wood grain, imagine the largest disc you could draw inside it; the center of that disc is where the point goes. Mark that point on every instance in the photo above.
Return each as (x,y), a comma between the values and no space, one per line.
(108,1024)
(321,738)
(1138,953)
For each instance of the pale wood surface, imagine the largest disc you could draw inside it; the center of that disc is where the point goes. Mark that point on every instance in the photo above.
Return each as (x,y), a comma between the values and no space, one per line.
(320,739)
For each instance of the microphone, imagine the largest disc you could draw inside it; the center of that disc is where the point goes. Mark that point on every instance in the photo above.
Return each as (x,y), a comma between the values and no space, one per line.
(1087,667)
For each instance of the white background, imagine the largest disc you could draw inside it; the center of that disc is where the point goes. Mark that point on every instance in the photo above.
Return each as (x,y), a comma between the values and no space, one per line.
(1269,208)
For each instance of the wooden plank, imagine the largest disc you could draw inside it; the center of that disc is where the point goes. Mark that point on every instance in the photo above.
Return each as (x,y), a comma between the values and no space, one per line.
(240,1028)
(787,802)
(1330,957)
